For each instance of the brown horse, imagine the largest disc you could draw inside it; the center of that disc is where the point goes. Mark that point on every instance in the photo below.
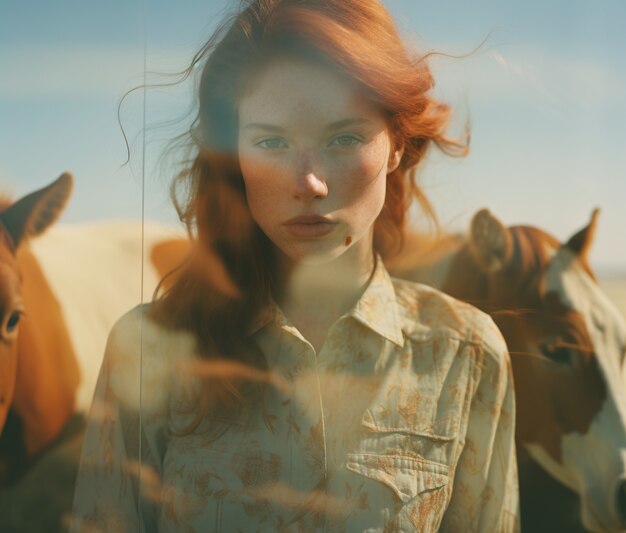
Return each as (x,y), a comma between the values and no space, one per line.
(567,345)
(60,293)
(61,289)
(33,329)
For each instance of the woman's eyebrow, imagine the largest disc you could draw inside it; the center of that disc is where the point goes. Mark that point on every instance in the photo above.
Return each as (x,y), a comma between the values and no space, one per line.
(330,127)
(347,122)
(265,127)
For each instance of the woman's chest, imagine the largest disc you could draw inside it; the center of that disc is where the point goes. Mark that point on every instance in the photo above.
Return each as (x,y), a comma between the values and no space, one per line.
(328,448)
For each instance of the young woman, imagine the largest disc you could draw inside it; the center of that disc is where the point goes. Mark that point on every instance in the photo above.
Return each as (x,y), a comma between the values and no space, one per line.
(285,382)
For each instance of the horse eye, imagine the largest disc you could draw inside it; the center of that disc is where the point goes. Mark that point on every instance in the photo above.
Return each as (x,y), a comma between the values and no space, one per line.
(14,320)
(557,353)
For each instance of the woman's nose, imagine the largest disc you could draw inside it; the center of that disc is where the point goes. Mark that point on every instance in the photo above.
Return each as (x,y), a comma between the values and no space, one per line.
(310,182)
(310,186)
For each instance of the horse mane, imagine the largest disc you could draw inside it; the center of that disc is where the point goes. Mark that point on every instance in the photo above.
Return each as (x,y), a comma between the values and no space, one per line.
(423,254)
(531,249)
(515,286)
(532,244)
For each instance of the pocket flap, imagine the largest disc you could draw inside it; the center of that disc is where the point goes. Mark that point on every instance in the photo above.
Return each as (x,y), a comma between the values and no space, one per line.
(406,476)
(383,424)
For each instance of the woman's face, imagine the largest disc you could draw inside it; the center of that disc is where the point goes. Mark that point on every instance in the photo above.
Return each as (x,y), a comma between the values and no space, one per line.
(314,155)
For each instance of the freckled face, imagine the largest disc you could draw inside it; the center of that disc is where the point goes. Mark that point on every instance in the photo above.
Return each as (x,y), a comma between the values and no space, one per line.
(314,156)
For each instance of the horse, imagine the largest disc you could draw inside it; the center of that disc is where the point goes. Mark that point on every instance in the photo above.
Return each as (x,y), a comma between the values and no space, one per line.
(61,289)
(567,343)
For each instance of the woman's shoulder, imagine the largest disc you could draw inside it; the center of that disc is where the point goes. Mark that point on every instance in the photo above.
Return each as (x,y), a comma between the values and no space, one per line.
(429,313)
(143,354)
(137,329)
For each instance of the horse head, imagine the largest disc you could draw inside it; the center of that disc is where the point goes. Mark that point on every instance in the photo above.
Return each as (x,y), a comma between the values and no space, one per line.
(19,222)
(567,344)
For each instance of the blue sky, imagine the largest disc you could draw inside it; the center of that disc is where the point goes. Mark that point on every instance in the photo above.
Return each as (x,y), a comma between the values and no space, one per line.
(545,96)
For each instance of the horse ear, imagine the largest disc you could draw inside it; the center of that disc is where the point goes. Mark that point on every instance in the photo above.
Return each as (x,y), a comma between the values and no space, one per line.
(580,242)
(35,212)
(490,241)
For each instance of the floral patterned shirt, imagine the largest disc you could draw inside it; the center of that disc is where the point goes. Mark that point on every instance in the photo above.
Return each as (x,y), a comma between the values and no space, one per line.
(404,421)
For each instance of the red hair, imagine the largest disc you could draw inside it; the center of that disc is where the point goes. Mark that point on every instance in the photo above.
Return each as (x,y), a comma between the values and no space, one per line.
(359,39)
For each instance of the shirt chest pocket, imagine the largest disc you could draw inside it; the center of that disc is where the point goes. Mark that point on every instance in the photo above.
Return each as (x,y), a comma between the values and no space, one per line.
(401,469)
(410,494)
(405,476)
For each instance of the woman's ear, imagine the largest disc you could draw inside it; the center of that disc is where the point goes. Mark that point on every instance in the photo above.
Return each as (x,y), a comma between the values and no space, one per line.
(395,156)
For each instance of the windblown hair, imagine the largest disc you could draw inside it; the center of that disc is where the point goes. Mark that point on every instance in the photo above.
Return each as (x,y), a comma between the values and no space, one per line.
(234,271)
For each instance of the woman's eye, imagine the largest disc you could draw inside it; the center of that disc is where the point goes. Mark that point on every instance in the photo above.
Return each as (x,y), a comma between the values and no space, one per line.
(272,144)
(346,140)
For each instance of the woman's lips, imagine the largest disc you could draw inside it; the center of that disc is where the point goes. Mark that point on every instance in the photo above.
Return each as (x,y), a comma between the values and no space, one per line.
(309,226)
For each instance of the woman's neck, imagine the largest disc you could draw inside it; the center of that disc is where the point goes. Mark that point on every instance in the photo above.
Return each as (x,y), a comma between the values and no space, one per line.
(317,294)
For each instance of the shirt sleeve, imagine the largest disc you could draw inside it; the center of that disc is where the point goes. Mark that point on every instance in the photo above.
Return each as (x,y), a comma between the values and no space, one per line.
(119,473)
(485,495)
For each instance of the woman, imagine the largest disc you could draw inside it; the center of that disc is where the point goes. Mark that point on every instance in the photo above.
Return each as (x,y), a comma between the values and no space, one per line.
(287,382)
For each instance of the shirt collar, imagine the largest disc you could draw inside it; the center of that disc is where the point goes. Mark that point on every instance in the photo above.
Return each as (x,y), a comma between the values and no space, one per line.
(376,308)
